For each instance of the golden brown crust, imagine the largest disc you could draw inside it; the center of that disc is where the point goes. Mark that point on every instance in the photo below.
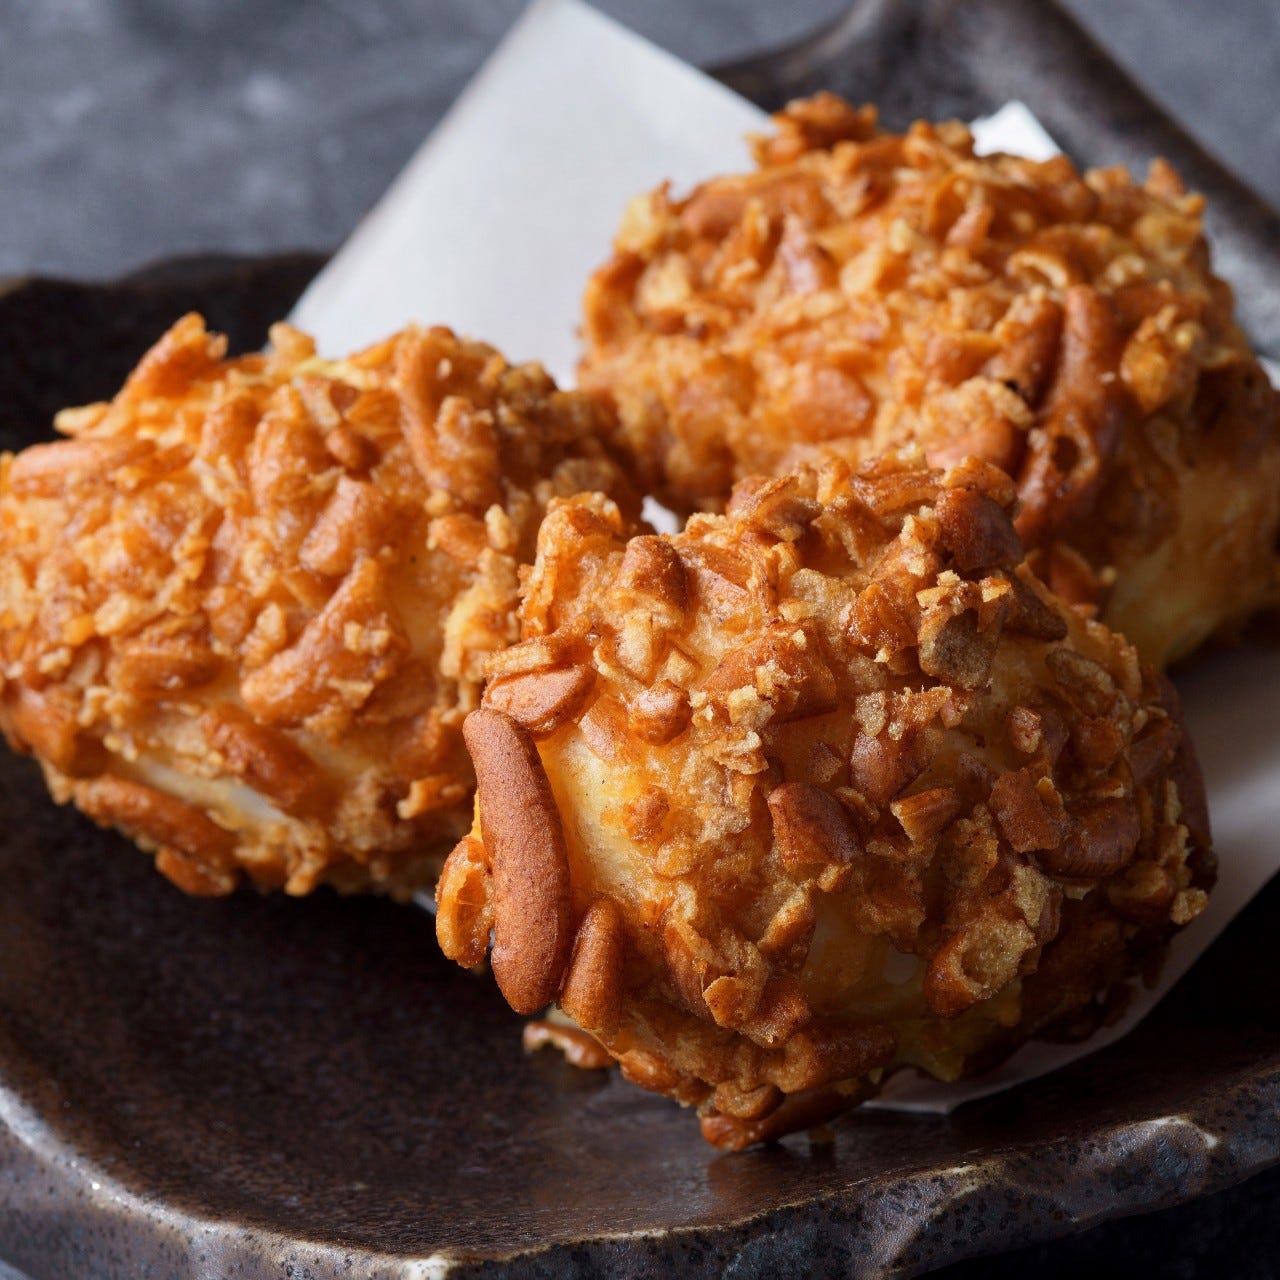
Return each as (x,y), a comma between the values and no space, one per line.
(592,991)
(579,1048)
(528,864)
(249,602)
(799,1111)
(540,700)
(464,903)
(153,818)
(860,291)
(914,809)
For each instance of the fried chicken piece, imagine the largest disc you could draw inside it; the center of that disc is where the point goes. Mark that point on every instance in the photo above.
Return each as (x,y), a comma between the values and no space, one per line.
(246,606)
(821,788)
(861,291)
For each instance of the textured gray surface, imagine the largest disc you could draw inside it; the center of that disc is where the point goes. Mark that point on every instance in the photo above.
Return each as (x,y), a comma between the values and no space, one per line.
(136,129)
(1215,64)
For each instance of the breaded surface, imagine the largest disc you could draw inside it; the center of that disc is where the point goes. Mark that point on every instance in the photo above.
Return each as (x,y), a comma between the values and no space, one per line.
(860,291)
(818,789)
(246,606)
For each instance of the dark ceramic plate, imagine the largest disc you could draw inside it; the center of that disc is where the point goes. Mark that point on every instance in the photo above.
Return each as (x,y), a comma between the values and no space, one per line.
(261,1087)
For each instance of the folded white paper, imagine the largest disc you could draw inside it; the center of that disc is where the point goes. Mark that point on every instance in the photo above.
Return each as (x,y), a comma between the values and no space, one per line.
(493,229)
(511,203)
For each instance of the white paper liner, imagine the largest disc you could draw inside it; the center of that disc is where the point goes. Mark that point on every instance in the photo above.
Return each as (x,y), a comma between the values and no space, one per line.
(493,228)
(497,221)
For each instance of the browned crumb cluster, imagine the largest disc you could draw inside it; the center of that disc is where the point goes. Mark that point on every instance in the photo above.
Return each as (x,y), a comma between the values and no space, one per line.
(860,291)
(246,606)
(818,789)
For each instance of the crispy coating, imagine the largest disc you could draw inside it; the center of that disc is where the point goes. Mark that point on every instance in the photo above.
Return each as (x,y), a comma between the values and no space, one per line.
(860,291)
(837,787)
(246,606)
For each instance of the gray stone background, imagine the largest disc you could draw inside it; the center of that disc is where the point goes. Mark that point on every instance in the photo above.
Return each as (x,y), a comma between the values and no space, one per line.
(131,130)
(135,129)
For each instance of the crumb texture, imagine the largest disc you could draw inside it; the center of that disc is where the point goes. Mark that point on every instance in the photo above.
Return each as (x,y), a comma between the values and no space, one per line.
(841,788)
(245,606)
(860,291)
